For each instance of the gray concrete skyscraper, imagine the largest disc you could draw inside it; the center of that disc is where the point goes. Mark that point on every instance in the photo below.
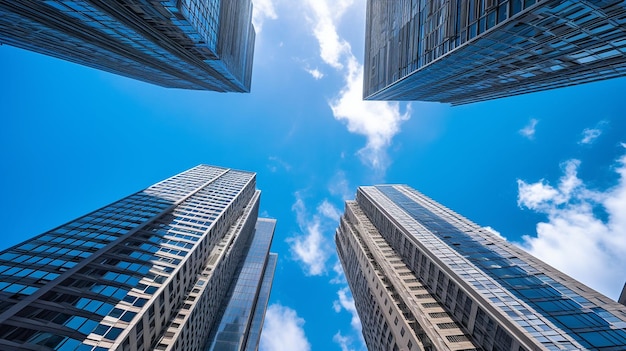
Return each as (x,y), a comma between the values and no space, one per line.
(425,278)
(463,51)
(190,44)
(181,265)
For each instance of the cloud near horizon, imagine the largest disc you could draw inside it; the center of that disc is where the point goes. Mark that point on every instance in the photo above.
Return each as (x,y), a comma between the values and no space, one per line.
(283,330)
(574,239)
(378,121)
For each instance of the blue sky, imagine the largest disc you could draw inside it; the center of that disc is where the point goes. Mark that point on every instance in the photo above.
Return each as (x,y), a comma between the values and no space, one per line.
(546,170)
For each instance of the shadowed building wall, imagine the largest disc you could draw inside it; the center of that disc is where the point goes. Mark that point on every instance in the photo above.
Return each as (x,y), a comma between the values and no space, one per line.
(148,272)
(190,44)
(463,51)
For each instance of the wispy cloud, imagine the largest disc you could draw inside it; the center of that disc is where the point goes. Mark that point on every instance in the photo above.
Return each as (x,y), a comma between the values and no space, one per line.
(590,135)
(315,73)
(339,278)
(262,10)
(328,210)
(312,248)
(276,163)
(344,342)
(574,239)
(529,130)
(326,13)
(339,186)
(378,121)
(345,302)
(283,330)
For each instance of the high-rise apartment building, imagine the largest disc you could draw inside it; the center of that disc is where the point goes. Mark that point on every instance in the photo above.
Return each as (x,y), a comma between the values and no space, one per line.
(181,265)
(463,51)
(425,278)
(190,44)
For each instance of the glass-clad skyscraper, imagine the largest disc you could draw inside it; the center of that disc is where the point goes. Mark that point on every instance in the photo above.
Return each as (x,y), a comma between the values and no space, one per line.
(190,44)
(181,265)
(425,278)
(463,51)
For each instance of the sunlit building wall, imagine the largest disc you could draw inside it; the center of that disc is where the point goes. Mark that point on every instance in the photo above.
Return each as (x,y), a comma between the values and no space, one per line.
(425,278)
(463,51)
(181,265)
(191,44)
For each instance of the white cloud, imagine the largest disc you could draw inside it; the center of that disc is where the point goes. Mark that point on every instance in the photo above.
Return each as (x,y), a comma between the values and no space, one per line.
(261,10)
(346,302)
(311,247)
(542,196)
(332,46)
(344,341)
(315,73)
(574,239)
(339,186)
(529,130)
(329,210)
(339,278)
(378,121)
(283,330)
(591,134)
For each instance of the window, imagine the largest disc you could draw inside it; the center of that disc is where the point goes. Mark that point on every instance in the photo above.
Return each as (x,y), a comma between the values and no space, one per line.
(457,338)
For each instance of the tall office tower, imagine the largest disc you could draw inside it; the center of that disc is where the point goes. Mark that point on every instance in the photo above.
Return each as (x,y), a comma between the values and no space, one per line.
(181,265)
(190,44)
(425,278)
(463,51)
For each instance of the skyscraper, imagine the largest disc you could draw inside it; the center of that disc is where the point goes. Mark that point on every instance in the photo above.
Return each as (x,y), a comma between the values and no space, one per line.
(463,51)
(191,44)
(425,278)
(181,265)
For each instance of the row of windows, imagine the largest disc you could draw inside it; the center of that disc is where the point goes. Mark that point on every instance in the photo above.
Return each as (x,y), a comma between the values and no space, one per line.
(532,289)
(118,284)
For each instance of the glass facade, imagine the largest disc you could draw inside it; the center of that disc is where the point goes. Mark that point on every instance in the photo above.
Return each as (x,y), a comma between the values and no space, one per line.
(499,296)
(463,51)
(146,272)
(190,44)
(253,281)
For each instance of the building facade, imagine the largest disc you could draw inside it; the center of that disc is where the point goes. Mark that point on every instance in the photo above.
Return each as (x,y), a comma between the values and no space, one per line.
(425,278)
(463,51)
(191,44)
(181,265)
